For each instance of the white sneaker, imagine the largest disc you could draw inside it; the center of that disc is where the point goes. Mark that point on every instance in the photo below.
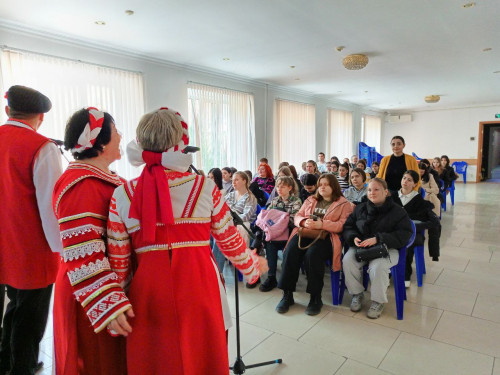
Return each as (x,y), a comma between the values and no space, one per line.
(375,310)
(407,284)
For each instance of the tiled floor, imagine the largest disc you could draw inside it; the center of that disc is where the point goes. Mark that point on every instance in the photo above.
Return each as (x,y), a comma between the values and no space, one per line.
(451,325)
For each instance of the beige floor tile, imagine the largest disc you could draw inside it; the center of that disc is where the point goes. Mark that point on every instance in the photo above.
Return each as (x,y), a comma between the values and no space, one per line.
(442,298)
(412,354)
(496,369)
(468,332)
(451,240)
(292,324)
(447,260)
(353,338)
(487,307)
(298,358)
(495,257)
(351,367)
(483,268)
(417,319)
(469,281)
(480,244)
(47,363)
(47,346)
(249,298)
(250,337)
(479,253)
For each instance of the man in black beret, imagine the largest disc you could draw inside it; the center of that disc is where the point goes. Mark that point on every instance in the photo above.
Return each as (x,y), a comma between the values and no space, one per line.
(30,241)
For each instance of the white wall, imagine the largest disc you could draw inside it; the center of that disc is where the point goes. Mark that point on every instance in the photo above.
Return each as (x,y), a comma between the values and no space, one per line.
(441,132)
(165,85)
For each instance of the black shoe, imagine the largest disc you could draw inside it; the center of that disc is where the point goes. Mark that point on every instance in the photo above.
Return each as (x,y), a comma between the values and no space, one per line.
(251,286)
(285,302)
(435,259)
(269,284)
(315,304)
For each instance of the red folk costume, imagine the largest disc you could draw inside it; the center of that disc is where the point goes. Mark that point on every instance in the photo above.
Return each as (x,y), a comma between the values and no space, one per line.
(87,294)
(166,265)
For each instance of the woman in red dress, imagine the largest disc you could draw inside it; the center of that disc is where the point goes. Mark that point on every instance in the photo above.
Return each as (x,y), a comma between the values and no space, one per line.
(87,293)
(158,236)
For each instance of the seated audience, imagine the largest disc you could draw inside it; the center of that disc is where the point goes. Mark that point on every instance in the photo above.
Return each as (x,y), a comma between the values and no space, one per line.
(392,167)
(227,183)
(354,161)
(334,158)
(380,220)
(375,167)
(302,169)
(263,161)
(243,205)
(327,210)
(321,163)
(420,211)
(329,167)
(430,187)
(335,167)
(286,201)
(311,168)
(296,178)
(448,174)
(265,178)
(215,174)
(283,172)
(309,187)
(357,191)
(343,176)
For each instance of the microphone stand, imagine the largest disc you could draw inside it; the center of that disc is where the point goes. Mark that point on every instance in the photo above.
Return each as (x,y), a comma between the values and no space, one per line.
(239,366)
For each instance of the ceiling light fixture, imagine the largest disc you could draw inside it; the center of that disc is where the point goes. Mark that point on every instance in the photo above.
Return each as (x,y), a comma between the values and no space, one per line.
(292,66)
(355,62)
(339,48)
(486,49)
(468,5)
(498,71)
(432,98)
(100,23)
(129,12)
(226,59)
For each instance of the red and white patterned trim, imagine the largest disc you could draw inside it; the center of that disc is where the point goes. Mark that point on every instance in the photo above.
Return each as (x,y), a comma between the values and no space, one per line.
(86,271)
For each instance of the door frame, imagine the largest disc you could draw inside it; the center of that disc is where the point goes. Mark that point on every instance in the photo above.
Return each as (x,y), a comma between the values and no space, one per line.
(480,146)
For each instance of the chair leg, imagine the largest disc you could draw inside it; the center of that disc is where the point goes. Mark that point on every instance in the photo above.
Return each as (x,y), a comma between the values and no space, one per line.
(335,280)
(419,264)
(342,287)
(399,293)
(452,196)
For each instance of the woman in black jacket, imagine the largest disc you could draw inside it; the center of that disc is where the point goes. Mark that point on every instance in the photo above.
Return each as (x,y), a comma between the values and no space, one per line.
(448,174)
(380,220)
(420,211)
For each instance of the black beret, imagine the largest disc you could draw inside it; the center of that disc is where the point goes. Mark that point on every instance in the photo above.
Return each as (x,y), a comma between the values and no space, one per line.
(27,100)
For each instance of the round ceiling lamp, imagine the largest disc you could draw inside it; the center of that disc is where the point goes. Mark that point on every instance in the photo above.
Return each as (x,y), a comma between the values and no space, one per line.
(355,62)
(432,98)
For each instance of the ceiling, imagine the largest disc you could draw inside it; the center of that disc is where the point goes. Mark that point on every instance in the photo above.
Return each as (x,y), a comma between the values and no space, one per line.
(416,47)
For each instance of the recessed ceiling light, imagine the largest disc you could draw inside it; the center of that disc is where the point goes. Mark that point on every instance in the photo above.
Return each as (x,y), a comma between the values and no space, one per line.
(468,5)
(226,59)
(100,23)
(486,49)
(129,12)
(339,48)
(292,66)
(366,91)
(297,79)
(498,71)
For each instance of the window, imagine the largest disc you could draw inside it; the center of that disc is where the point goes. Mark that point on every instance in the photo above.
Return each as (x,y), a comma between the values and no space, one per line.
(295,132)
(72,85)
(222,124)
(339,134)
(371,131)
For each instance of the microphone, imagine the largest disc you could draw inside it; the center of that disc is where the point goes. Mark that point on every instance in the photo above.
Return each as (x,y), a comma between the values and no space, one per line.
(190,149)
(57,142)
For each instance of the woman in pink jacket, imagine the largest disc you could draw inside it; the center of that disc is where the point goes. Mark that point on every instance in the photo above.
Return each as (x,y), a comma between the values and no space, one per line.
(326,210)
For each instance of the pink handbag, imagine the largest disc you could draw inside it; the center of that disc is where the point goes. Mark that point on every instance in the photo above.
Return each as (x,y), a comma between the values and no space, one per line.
(274,223)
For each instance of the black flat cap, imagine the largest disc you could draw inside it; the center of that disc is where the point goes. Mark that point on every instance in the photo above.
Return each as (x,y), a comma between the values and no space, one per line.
(27,100)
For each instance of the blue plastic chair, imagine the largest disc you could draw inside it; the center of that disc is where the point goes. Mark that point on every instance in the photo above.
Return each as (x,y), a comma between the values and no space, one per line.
(443,192)
(451,190)
(461,168)
(398,277)
(415,156)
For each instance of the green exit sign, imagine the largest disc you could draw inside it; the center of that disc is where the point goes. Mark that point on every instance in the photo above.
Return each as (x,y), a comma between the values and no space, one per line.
(497,115)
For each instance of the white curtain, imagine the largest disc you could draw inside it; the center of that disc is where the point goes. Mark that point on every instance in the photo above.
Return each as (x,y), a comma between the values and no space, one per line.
(72,85)
(295,132)
(372,128)
(222,123)
(339,125)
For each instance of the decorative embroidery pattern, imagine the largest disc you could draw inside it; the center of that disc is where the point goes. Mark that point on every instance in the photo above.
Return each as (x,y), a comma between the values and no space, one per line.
(95,285)
(174,245)
(106,304)
(73,232)
(86,271)
(82,250)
